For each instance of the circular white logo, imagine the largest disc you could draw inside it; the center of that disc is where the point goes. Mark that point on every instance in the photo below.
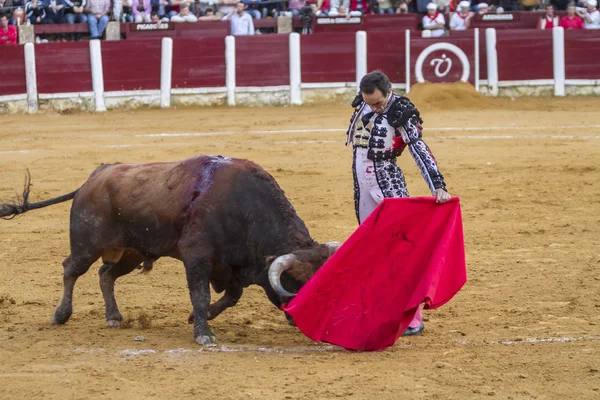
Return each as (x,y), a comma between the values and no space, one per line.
(442,65)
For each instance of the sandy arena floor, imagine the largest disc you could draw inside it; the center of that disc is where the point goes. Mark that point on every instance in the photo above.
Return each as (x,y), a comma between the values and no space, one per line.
(526,325)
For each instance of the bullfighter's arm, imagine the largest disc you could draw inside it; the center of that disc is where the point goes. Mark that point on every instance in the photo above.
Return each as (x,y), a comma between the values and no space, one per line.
(404,116)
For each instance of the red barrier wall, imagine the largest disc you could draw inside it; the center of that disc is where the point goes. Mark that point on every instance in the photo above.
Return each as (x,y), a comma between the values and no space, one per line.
(12,70)
(131,65)
(374,23)
(386,51)
(63,67)
(524,59)
(198,62)
(327,57)
(450,65)
(581,55)
(262,60)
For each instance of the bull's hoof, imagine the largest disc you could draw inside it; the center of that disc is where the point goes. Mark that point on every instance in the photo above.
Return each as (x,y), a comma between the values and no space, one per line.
(61,316)
(113,323)
(205,340)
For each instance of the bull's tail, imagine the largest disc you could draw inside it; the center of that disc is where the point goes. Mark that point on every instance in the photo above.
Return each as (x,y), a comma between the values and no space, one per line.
(11,210)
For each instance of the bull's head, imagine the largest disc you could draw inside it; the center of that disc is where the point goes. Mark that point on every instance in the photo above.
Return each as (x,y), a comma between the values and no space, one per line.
(293,270)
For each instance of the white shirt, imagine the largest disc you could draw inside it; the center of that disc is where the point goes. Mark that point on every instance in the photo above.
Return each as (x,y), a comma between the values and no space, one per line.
(595,17)
(241,25)
(432,21)
(458,21)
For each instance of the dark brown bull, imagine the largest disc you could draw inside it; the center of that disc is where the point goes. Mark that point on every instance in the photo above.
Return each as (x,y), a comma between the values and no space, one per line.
(226,219)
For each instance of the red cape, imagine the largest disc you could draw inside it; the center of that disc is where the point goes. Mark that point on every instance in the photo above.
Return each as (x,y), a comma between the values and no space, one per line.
(407,252)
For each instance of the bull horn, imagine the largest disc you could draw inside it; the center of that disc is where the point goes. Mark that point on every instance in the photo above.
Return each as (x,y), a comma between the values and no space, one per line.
(278,267)
(333,246)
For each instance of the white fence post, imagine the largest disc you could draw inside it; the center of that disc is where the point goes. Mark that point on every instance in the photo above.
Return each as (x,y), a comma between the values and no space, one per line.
(407,59)
(492,60)
(31,79)
(295,71)
(361,57)
(476,41)
(230,69)
(558,57)
(166,69)
(97,74)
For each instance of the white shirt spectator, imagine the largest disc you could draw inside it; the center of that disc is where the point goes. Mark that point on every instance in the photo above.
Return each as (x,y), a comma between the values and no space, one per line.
(594,16)
(241,24)
(432,20)
(458,21)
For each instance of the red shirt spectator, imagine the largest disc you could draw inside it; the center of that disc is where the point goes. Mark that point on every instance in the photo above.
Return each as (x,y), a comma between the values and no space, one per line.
(8,33)
(571,21)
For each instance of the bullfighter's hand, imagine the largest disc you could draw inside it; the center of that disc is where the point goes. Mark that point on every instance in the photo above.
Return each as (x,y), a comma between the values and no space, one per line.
(441,196)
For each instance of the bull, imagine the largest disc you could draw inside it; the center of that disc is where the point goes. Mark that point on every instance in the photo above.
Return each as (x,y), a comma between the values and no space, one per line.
(226,219)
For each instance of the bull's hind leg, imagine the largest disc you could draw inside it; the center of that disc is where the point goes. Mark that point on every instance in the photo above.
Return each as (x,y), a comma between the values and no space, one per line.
(74,265)
(109,272)
(198,277)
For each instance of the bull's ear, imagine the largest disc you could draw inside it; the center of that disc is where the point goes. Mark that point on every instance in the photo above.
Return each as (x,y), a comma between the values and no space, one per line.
(269,260)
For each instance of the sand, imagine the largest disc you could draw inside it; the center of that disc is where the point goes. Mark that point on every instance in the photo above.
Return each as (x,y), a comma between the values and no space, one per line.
(526,325)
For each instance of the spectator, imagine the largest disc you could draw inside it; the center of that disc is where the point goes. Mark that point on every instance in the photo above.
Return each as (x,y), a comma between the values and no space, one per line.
(402,7)
(571,21)
(142,11)
(74,14)
(361,6)
(35,12)
(241,23)
(461,19)
(434,21)
(296,6)
(560,4)
(343,12)
(443,5)
(162,8)
(55,14)
(209,15)
(252,8)
(184,15)
(550,20)
(385,7)
(154,18)
(334,5)
(8,33)
(226,7)
(6,8)
(483,8)
(590,15)
(98,17)
(126,11)
(320,8)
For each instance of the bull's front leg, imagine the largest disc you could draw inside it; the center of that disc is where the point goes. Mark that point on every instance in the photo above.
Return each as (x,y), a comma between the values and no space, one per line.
(229,299)
(198,273)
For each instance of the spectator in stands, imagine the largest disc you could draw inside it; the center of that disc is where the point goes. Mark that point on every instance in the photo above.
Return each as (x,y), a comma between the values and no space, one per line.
(8,33)
(483,8)
(590,15)
(35,12)
(402,7)
(226,7)
(252,8)
(550,20)
(184,15)
(386,7)
(571,21)
(97,17)
(343,12)
(74,14)
(443,5)
(6,8)
(241,23)
(142,11)
(560,4)
(461,19)
(434,21)
(320,8)
(334,5)
(209,15)
(162,8)
(55,14)
(295,7)
(154,18)
(361,6)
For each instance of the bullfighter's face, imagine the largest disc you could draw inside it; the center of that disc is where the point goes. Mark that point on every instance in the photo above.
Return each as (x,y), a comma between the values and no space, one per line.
(377,100)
